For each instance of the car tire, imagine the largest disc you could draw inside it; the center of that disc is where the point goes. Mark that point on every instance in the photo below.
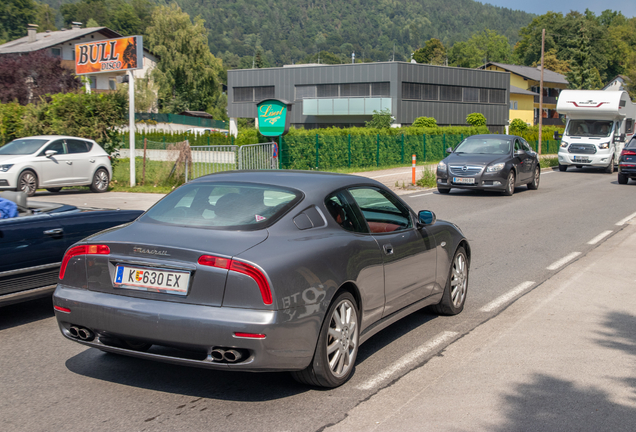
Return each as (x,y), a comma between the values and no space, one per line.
(563,168)
(510,184)
(28,182)
(332,369)
(610,167)
(454,296)
(100,181)
(444,191)
(622,179)
(536,177)
(54,190)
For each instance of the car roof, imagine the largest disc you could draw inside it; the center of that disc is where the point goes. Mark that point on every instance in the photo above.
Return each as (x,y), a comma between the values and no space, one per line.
(52,137)
(493,136)
(306,181)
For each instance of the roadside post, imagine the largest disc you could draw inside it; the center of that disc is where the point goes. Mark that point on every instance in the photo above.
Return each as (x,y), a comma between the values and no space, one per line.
(119,56)
(413,171)
(273,122)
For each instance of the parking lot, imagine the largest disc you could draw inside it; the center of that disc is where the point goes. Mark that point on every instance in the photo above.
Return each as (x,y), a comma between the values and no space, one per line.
(519,243)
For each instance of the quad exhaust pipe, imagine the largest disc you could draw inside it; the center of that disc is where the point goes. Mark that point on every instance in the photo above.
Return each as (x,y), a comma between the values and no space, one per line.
(227,355)
(81,333)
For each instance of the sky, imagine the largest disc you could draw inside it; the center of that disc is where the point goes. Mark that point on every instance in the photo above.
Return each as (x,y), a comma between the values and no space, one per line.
(539,7)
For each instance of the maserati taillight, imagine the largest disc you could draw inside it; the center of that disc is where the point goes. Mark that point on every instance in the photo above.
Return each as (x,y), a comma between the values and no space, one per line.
(243,268)
(82,250)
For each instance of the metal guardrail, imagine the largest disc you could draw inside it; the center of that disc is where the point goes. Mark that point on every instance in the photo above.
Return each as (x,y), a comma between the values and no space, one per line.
(258,156)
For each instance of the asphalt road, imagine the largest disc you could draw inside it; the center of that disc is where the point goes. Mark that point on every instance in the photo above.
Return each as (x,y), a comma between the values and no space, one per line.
(49,383)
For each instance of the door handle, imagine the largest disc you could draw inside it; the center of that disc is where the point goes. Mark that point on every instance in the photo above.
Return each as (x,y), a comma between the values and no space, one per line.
(54,231)
(69,163)
(91,160)
(388,249)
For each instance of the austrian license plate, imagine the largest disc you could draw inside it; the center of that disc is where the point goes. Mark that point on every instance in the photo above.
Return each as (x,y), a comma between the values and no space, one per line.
(464,180)
(580,159)
(152,280)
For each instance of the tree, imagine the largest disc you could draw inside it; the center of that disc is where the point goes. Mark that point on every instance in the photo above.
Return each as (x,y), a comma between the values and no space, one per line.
(584,74)
(476,119)
(433,52)
(187,73)
(551,62)
(481,48)
(518,126)
(323,57)
(14,17)
(27,77)
(381,119)
(123,17)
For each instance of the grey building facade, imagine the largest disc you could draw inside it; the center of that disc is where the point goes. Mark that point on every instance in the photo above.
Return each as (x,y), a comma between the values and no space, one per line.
(347,95)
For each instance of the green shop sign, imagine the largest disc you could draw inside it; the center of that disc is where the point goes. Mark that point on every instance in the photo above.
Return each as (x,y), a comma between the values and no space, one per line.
(272,117)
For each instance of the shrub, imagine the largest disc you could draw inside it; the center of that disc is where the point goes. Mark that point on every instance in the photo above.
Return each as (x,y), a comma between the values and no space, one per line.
(425,122)
(380,120)
(476,119)
(518,126)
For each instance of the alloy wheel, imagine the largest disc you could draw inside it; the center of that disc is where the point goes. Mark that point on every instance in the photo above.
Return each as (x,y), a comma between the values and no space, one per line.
(28,183)
(101,180)
(459,280)
(342,339)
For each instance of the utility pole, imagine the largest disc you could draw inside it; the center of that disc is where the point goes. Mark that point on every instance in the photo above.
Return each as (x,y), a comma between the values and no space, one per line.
(541,93)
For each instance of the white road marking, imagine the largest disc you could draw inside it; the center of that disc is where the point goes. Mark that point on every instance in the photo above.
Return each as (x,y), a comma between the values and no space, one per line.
(547,172)
(563,261)
(599,237)
(408,360)
(391,175)
(624,221)
(503,299)
(416,196)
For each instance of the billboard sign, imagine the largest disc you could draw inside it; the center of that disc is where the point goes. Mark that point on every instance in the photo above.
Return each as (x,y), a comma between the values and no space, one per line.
(110,55)
(273,120)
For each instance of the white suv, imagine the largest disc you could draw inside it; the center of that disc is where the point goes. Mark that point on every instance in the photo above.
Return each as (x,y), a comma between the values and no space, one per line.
(52,162)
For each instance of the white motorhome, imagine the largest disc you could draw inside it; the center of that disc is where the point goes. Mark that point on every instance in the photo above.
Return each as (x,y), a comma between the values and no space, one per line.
(598,125)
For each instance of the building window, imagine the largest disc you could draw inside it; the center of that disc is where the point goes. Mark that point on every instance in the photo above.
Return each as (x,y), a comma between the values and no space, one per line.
(450,93)
(327,90)
(305,91)
(381,89)
(430,92)
(497,96)
(56,52)
(411,91)
(112,83)
(93,82)
(471,94)
(253,94)
(355,90)
(261,93)
(513,105)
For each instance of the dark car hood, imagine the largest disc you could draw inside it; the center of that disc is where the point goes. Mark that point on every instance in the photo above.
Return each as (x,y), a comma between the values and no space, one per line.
(138,233)
(475,159)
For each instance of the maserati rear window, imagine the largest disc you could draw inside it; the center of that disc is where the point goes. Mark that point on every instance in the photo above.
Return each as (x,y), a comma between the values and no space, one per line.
(232,206)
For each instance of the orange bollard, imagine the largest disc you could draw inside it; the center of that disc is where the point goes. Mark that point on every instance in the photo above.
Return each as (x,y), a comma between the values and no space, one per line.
(413,170)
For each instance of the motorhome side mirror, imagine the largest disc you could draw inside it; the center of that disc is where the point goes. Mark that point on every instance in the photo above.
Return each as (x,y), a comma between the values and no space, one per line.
(622,138)
(426,217)
(557,136)
(449,150)
(50,153)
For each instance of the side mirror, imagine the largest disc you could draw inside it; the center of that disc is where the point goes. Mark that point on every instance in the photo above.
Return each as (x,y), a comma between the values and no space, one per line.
(557,135)
(426,217)
(622,138)
(50,153)
(449,150)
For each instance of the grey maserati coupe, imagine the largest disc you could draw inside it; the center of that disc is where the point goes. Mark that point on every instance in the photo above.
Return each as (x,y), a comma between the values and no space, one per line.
(261,271)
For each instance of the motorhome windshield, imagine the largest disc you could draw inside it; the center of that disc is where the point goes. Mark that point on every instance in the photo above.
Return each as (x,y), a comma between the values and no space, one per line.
(594,128)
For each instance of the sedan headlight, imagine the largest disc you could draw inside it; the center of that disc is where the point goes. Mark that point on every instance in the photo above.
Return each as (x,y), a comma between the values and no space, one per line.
(5,168)
(603,145)
(496,167)
(441,166)
(564,144)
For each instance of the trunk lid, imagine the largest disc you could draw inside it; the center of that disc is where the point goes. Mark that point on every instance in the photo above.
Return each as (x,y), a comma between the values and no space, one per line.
(152,249)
